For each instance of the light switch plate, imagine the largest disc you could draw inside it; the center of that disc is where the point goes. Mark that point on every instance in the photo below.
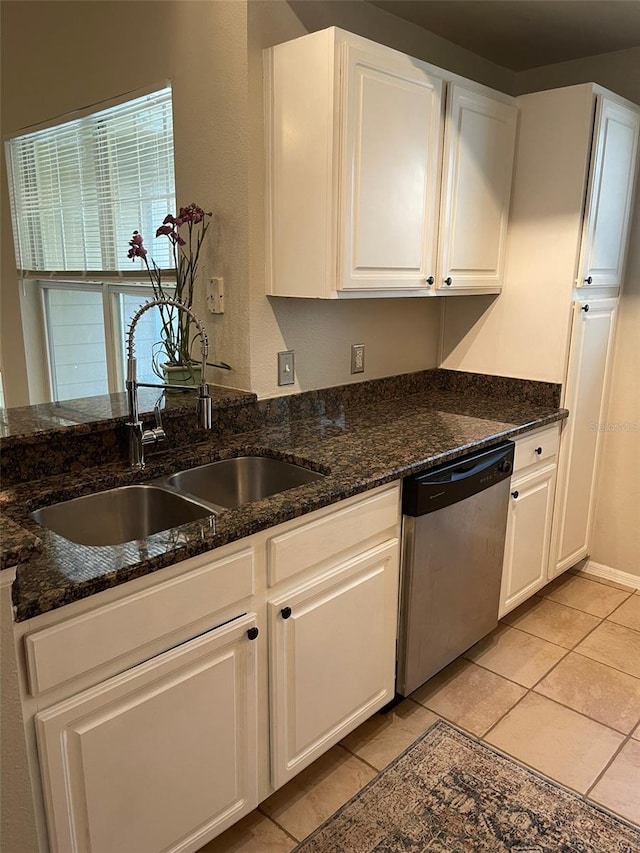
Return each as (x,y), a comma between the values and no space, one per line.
(286,368)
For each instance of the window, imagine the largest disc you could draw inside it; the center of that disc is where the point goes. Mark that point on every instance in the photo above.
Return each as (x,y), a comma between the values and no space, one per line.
(84,358)
(78,190)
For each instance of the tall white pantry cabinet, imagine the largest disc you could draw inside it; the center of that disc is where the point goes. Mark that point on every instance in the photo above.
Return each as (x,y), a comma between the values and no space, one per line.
(572,200)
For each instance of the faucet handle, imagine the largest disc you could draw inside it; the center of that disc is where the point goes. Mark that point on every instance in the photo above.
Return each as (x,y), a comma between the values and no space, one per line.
(157,413)
(157,433)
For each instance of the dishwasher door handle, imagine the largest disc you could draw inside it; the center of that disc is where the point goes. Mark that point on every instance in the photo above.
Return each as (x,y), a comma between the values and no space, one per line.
(465,470)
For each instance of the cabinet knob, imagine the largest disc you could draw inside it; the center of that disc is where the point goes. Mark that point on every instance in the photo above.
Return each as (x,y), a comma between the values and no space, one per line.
(585,308)
(285,612)
(538,450)
(448,281)
(430,280)
(515,494)
(588,280)
(252,633)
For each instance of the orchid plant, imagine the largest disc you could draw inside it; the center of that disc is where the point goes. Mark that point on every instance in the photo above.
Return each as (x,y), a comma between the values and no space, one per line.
(175,347)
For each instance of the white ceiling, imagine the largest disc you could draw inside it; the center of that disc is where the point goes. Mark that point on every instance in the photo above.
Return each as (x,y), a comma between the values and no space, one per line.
(522,34)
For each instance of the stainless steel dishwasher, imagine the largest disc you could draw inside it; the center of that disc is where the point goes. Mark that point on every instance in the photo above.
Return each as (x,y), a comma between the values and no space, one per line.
(454,524)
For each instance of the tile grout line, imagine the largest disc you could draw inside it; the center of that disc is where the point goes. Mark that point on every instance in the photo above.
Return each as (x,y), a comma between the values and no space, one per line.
(349,753)
(540,595)
(582,714)
(532,688)
(602,663)
(621,603)
(518,683)
(602,581)
(621,625)
(607,766)
(579,609)
(275,822)
(626,737)
(577,643)
(376,770)
(583,794)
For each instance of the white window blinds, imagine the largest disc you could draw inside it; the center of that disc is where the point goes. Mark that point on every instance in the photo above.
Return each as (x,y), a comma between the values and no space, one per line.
(79,189)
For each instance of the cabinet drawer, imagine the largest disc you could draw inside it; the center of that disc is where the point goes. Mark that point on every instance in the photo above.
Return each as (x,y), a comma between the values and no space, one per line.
(533,449)
(65,651)
(327,537)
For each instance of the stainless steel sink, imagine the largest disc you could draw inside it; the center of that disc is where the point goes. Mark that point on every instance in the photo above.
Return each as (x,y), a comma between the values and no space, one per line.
(119,515)
(232,482)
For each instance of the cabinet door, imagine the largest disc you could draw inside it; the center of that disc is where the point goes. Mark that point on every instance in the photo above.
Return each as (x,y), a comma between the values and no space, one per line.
(390,172)
(332,655)
(590,355)
(160,758)
(608,208)
(476,187)
(526,555)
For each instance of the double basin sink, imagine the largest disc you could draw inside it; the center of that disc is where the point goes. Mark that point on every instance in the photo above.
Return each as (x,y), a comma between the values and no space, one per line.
(133,512)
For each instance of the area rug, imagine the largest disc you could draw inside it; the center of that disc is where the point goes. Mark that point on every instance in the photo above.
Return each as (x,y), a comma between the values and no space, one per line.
(450,793)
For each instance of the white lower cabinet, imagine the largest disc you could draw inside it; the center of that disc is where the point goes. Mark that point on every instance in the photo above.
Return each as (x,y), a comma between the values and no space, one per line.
(526,556)
(156,731)
(159,758)
(332,657)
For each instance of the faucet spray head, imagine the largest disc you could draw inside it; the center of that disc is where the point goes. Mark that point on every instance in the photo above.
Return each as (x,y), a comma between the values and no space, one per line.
(204,407)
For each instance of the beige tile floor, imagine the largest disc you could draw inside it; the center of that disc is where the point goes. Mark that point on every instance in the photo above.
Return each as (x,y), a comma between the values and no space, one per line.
(556,686)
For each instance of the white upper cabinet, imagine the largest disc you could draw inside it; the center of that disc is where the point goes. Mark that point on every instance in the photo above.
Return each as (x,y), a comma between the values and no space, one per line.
(609,194)
(392,140)
(476,186)
(569,225)
(356,200)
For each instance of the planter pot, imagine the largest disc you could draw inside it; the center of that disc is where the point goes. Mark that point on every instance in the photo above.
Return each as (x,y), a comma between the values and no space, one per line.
(182,374)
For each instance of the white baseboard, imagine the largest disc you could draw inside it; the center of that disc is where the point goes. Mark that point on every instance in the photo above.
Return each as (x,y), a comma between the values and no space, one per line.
(600,571)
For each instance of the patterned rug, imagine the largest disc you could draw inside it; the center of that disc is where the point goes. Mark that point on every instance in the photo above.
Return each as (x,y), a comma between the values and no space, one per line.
(449,793)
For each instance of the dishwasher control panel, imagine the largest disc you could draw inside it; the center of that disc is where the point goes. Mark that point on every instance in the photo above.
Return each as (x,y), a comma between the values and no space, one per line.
(456,480)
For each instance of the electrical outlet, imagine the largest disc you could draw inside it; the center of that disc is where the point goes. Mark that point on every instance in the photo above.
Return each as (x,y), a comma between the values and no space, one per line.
(357,358)
(286,368)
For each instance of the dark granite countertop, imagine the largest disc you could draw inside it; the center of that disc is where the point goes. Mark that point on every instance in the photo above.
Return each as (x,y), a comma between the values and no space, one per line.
(29,424)
(358,441)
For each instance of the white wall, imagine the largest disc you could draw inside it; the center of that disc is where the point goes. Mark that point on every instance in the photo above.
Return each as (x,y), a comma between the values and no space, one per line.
(618,71)
(84,53)
(616,532)
(58,57)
